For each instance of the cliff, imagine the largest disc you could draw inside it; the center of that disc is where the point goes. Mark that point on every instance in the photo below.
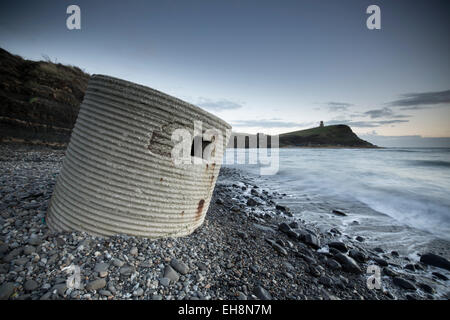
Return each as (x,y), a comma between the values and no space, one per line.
(39,100)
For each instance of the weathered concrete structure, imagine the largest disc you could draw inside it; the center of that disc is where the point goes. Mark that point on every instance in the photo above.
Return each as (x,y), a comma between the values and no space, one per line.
(118,176)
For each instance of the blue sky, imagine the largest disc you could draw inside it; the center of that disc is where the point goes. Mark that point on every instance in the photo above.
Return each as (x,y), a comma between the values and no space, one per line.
(264,66)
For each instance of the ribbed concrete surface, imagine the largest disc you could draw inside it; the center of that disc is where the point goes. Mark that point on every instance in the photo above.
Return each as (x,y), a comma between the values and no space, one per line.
(118,176)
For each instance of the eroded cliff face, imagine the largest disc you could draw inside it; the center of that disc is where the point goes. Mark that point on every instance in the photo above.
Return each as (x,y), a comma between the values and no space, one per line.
(39,100)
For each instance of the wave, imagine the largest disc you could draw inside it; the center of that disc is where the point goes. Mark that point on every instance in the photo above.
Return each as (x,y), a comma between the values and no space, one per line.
(429,163)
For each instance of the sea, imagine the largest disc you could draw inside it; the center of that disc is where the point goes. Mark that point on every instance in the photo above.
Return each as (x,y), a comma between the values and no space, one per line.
(395,198)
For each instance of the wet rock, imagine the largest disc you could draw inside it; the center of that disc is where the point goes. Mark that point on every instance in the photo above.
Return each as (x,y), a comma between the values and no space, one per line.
(310,240)
(339,213)
(389,272)
(284,227)
(279,249)
(440,276)
(348,264)
(360,239)
(333,264)
(342,247)
(410,267)
(379,250)
(395,254)
(403,283)
(358,255)
(435,261)
(381,262)
(326,281)
(426,288)
(252,202)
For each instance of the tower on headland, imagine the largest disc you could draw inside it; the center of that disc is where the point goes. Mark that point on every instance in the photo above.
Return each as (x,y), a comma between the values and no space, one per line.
(321,124)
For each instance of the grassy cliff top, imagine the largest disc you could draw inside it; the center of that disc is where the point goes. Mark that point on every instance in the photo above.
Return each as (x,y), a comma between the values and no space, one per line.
(327,136)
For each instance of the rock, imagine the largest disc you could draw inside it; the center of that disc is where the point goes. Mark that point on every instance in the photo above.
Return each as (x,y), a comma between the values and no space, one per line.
(395,254)
(426,288)
(171,274)
(252,202)
(126,270)
(262,294)
(284,227)
(440,276)
(138,292)
(402,283)
(6,290)
(379,250)
(96,285)
(333,264)
(339,213)
(34,240)
(29,249)
(360,239)
(242,235)
(410,267)
(358,255)
(105,293)
(434,260)
(310,240)
(339,246)
(134,251)
(380,262)
(279,249)
(219,201)
(348,264)
(30,285)
(326,281)
(179,266)
(283,208)
(389,272)
(164,281)
(293,224)
(101,267)
(118,263)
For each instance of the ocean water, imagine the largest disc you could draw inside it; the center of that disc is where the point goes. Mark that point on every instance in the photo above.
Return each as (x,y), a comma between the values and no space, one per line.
(394,196)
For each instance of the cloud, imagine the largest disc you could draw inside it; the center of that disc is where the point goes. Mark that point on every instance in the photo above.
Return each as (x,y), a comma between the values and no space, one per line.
(217,105)
(269,123)
(384,113)
(414,101)
(338,106)
(366,124)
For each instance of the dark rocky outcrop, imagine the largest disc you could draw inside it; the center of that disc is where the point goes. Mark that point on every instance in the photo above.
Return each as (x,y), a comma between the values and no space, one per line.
(39,100)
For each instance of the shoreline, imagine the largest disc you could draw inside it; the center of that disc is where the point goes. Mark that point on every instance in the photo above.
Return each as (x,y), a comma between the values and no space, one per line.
(249,247)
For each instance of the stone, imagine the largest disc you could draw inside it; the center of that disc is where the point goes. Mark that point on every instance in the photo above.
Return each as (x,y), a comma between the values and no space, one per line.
(380,262)
(339,246)
(358,255)
(333,264)
(96,284)
(118,263)
(339,213)
(126,270)
(28,249)
(279,249)
(179,266)
(164,281)
(30,285)
(138,292)
(402,283)
(252,202)
(6,290)
(284,227)
(434,260)
(410,267)
(348,264)
(262,293)
(171,274)
(101,267)
(326,281)
(310,240)
(134,251)
(440,276)
(360,239)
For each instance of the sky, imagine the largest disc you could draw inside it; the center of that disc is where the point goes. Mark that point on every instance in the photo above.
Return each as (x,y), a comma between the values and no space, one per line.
(263,66)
